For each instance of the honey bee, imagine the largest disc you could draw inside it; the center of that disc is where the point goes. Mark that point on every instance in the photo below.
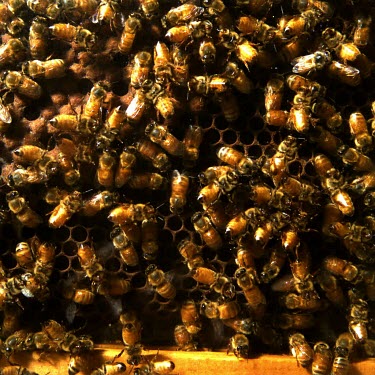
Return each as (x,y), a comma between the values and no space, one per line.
(48,9)
(180,67)
(150,233)
(128,213)
(208,233)
(343,347)
(132,26)
(24,255)
(224,184)
(326,111)
(299,83)
(22,210)
(82,37)
(309,63)
(273,267)
(362,31)
(217,215)
(357,160)
(243,49)
(184,339)
(340,267)
(191,253)
(125,247)
(364,183)
(246,280)
(294,48)
(141,68)
(80,296)
(160,135)
(28,154)
(179,187)
(105,173)
(191,142)
(158,280)
(49,69)
(77,9)
(92,108)
(16,26)
(276,117)
(238,225)
(294,301)
(206,85)
(178,34)
(243,164)
(125,167)
(182,14)
(44,260)
(344,73)
(147,180)
(152,152)
(67,207)
(162,63)
(107,12)
(190,317)
(131,336)
(90,263)
(23,85)
(21,177)
(137,107)
(358,129)
(11,52)
(204,275)
(229,106)
(358,319)
(300,23)
(16,370)
(155,367)
(240,345)
(300,349)
(274,94)
(5,117)
(98,202)
(110,369)
(207,51)
(162,102)
(295,321)
(244,257)
(238,78)
(332,289)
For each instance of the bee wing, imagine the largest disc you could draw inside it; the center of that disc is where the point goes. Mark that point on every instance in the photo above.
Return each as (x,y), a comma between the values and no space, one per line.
(5,115)
(303,64)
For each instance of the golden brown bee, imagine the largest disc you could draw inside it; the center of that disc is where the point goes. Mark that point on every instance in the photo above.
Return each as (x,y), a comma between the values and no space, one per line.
(326,111)
(67,207)
(357,160)
(11,52)
(107,12)
(92,108)
(16,26)
(358,319)
(72,123)
(190,317)
(309,63)
(49,69)
(49,9)
(208,233)
(206,85)
(131,336)
(238,225)
(24,255)
(358,129)
(132,26)
(5,117)
(21,177)
(207,51)
(299,115)
(178,34)
(28,154)
(294,301)
(236,159)
(162,63)
(22,210)
(244,257)
(147,180)
(44,260)
(137,107)
(150,235)
(300,349)
(155,367)
(77,9)
(364,183)
(98,202)
(204,275)
(182,14)
(125,167)
(141,68)
(89,262)
(300,23)
(191,142)
(294,48)
(362,31)
(80,296)
(274,265)
(240,345)
(295,321)
(112,286)
(344,346)
(238,78)
(273,94)
(184,339)
(82,37)
(128,213)
(158,280)
(217,215)
(228,310)
(152,152)
(179,189)
(341,267)
(191,253)
(243,49)
(21,84)
(115,120)
(344,73)
(276,117)
(246,280)
(106,169)
(159,134)
(125,247)
(180,67)
(298,83)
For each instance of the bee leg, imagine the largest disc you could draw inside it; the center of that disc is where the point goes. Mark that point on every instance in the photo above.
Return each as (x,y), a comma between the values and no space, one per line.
(118,355)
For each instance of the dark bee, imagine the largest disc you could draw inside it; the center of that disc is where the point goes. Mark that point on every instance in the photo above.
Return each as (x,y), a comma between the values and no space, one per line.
(240,345)
(344,346)
(362,31)
(184,339)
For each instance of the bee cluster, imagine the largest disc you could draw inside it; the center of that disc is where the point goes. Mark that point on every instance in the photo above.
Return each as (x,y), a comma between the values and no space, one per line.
(199,173)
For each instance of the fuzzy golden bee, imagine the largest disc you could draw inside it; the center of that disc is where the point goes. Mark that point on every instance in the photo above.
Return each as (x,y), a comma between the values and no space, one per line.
(66,208)
(132,26)
(159,281)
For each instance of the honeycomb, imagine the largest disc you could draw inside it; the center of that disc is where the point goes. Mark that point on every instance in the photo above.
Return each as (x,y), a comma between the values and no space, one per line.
(231,118)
